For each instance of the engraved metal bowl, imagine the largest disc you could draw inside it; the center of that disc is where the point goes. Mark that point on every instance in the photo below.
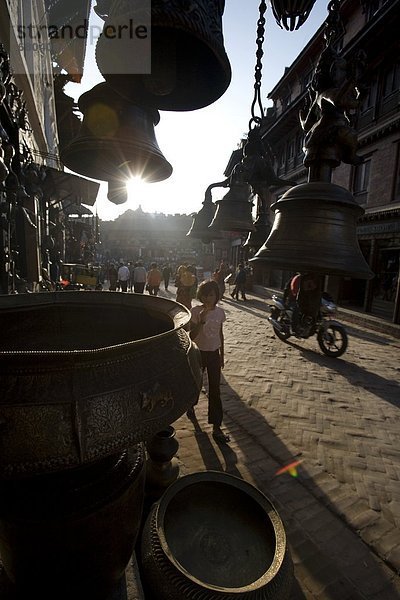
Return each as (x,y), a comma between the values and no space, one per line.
(86,374)
(214,536)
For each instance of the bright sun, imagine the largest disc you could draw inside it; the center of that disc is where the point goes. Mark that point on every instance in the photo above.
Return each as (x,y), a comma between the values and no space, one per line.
(135,185)
(136,188)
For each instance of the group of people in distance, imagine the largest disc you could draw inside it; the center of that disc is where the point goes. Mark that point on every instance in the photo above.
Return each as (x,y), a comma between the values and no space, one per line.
(137,278)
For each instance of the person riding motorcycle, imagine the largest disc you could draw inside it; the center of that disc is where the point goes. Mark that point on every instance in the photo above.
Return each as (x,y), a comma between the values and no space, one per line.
(305,311)
(302,295)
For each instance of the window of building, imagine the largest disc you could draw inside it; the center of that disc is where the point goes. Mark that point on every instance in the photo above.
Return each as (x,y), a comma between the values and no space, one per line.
(339,43)
(391,82)
(390,89)
(286,99)
(291,149)
(361,181)
(307,78)
(299,144)
(372,7)
(369,96)
(368,103)
(396,191)
(282,157)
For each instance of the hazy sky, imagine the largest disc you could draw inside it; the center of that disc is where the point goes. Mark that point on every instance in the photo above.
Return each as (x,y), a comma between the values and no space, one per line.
(198,143)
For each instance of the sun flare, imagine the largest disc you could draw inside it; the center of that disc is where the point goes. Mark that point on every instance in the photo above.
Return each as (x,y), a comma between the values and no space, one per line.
(134,186)
(137,189)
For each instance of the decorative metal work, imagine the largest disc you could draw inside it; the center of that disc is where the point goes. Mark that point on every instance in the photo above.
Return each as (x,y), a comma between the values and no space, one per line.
(331,105)
(291,14)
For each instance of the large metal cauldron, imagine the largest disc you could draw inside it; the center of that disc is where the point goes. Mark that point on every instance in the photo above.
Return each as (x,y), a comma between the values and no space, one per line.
(213,536)
(87,374)
(71,534)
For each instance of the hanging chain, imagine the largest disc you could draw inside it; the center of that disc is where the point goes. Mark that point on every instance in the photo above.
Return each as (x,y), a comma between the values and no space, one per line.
(333,23)
(258,69)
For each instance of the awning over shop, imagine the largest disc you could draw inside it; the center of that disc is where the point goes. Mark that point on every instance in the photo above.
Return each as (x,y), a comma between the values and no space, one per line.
(79,190)
(68,32)
(76,209)
(379,210)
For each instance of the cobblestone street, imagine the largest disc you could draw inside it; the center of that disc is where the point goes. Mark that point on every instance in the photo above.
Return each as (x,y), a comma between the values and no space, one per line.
(340,417)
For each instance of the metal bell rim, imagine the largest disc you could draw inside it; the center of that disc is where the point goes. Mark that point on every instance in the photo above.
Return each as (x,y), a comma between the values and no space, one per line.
(304,266)
(80,147)
(317,192)
(104,93)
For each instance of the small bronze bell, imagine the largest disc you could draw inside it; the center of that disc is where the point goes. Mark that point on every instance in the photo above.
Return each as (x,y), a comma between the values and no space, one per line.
(234,210)
(262,228)
(202,219)
(315,230)
(117,192)
(116,140)
(189,68)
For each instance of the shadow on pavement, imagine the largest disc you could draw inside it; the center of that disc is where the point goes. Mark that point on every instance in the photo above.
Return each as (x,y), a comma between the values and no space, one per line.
(387,389)
(208,453)
(370,336)
(326,552)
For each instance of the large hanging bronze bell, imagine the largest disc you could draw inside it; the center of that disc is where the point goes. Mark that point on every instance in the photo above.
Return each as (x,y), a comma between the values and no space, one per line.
(116,141)
(315,230)
(234,210)
(189,67)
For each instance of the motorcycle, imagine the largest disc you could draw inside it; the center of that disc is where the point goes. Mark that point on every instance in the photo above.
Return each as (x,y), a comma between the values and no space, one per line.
(331,335)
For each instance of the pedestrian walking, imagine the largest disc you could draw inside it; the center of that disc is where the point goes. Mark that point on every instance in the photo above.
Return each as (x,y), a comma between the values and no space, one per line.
(193,288)
(206,330)
(154,277)
(112,277)
(123,277)
(139,278)
(130,282)
(240,283)
(184,281)
(166,273)
(219,276)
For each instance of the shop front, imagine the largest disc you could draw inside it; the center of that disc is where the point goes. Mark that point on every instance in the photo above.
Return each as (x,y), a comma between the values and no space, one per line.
(379,237)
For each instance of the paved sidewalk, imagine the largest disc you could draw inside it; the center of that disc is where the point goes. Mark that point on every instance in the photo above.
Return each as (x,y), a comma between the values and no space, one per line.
(340,417)
(287,401)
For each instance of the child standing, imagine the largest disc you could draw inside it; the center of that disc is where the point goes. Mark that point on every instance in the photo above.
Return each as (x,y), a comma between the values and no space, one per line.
(206,330)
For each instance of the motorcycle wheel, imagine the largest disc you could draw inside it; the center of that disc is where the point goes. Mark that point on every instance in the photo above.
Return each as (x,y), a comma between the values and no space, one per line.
(282,335)
(333,340)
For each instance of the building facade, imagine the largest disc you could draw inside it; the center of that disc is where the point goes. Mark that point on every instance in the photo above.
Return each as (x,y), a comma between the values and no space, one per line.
(36,194)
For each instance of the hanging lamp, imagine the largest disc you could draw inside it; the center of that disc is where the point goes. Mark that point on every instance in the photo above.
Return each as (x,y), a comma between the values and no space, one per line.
(291,14)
